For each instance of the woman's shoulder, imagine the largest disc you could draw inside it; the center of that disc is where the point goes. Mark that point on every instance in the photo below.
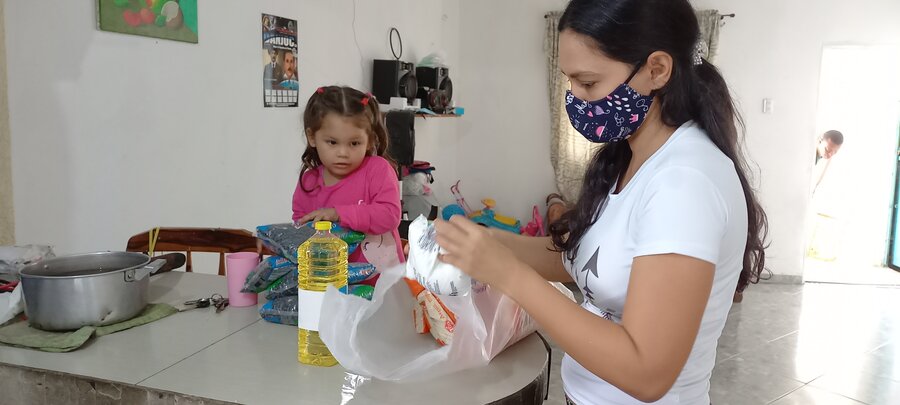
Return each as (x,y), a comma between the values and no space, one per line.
(694,163)
(692,149)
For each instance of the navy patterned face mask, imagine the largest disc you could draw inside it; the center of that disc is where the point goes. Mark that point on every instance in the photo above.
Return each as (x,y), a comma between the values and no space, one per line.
(610,119)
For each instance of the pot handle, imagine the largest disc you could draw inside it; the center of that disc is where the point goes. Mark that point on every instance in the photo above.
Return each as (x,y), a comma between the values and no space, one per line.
(139,273)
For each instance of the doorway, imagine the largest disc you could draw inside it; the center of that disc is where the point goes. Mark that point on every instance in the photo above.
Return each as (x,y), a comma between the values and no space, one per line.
(850,223)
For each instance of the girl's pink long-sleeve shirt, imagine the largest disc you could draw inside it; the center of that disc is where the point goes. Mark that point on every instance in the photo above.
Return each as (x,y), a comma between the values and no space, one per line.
(367,201)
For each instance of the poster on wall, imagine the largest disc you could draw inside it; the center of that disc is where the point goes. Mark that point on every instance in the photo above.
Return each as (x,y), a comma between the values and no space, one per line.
(281,84)
(166,19)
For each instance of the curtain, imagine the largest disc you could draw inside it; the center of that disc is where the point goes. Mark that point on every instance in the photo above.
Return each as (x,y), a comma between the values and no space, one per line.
(570,153)
(710,21)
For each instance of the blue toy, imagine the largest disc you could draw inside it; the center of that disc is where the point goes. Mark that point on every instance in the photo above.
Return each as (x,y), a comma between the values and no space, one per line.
(486,217)
(452,210)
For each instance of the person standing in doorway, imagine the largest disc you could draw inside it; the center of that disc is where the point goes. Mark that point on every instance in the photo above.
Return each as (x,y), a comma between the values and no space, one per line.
(824,234)
(829,144)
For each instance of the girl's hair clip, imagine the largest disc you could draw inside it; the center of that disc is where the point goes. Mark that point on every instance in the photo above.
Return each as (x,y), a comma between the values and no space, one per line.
(365,100)
(320,90)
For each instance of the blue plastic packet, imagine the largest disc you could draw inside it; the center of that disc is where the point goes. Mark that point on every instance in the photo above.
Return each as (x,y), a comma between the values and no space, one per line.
(357,272)
(282,310)
(267,273)
(362,291)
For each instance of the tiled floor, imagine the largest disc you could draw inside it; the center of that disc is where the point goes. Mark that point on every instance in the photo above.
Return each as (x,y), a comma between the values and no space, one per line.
(804,344)
(848,273)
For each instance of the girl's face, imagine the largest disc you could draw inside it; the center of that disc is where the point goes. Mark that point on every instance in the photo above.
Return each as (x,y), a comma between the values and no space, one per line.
(592,74)
(341,145)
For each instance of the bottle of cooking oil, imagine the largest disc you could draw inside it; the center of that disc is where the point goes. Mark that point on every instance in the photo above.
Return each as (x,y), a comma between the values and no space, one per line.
(321,260)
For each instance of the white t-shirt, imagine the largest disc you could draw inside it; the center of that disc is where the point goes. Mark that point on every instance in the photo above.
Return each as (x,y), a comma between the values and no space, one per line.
(686,199)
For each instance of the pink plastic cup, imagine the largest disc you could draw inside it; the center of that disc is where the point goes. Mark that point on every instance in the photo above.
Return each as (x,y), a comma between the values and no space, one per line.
(237,267)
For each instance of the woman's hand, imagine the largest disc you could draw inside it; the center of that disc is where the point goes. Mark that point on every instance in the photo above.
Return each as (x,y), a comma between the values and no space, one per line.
(323,214)
(472,249)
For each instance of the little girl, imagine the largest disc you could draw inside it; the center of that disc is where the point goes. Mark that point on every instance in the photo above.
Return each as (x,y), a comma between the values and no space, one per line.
(346,176)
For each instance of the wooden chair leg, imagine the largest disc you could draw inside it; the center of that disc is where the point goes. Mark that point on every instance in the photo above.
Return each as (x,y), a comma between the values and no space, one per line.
(190,266)
(221,264)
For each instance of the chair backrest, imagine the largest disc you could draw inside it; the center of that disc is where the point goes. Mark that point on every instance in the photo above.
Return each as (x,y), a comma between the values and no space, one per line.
(212,240)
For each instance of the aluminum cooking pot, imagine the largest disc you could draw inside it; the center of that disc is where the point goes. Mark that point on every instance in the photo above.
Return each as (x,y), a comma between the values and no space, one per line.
(94,289)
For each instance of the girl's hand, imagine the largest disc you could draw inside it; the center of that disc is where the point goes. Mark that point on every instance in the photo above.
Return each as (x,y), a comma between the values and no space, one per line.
(473,249)
(323,214)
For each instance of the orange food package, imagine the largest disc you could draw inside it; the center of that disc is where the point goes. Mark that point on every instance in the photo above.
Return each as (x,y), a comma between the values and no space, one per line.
(431,315)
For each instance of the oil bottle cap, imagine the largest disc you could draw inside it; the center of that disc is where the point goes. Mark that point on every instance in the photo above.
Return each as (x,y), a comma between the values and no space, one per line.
(323,226)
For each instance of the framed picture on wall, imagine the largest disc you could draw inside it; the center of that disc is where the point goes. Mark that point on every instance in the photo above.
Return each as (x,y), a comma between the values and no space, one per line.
(281,82)
(166,19)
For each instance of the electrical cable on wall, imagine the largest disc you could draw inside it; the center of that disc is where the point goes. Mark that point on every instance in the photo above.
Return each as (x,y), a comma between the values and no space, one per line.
(399,39)
(362,68)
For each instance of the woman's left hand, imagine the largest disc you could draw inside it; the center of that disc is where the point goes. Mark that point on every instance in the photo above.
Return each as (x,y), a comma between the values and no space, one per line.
(323,214)
(471,248)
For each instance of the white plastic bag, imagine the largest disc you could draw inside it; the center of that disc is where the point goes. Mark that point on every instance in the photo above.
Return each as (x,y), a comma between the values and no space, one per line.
(14,258)
(378,339)
(11,304)
(424,266)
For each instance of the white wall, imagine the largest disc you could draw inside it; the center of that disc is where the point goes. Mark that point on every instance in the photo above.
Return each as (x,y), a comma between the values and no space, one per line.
(113,134)
(7,224)
(773,49)
(505,136)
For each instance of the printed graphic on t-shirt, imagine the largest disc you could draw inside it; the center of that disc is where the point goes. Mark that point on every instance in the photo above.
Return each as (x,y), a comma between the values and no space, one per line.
(590,268)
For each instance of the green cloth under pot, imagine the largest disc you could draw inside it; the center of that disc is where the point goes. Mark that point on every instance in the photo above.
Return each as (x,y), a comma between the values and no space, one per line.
(19,333)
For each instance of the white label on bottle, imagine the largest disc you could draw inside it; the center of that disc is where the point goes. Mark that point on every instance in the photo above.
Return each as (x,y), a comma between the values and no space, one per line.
(310,308)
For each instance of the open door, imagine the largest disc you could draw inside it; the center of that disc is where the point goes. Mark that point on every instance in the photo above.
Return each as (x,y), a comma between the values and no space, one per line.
(894,242)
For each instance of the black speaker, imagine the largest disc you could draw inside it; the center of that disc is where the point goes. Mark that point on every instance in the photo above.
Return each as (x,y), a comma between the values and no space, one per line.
(435,88)
(431,77)
(393,78)
(401,130)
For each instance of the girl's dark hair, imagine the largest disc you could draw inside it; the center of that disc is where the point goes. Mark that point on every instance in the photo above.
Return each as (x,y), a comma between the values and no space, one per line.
(629,31)
(345,102)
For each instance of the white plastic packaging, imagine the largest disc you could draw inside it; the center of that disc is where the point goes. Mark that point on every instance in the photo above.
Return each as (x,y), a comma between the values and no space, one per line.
(424,266)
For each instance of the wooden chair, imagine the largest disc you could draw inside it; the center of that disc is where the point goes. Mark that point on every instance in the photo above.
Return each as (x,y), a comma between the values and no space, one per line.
(211,240)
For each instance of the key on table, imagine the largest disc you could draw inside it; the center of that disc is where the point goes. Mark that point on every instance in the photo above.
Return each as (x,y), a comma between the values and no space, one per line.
(219,302)
(197,303)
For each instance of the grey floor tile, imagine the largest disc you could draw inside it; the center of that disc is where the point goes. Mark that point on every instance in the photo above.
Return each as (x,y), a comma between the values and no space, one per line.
(887,360)
(734,383)
(811,395)
(743,334)
(862,386)
(781,358)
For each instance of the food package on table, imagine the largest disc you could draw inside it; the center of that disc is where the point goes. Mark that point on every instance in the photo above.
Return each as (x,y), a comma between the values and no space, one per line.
(280,310)
(431,315)
(267,273)
(424,266)
(284,239)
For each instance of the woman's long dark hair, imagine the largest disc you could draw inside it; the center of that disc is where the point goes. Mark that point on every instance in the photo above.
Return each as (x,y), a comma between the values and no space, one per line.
(345,102)
(629,31)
